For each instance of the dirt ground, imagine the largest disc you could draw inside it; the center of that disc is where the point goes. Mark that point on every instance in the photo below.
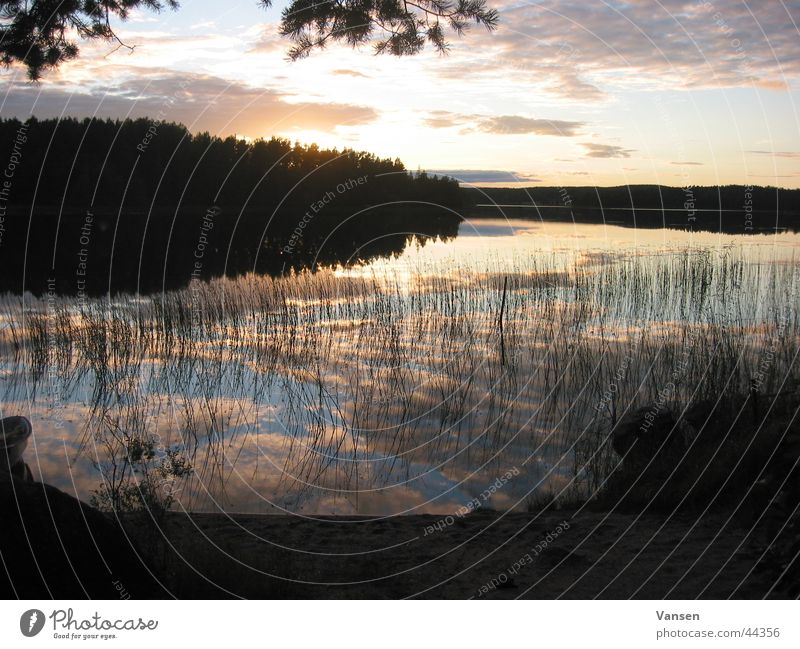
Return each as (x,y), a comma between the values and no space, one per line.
(551,555)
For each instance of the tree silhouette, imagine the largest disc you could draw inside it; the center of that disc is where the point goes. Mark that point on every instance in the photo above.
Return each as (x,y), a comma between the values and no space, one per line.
(399,27)
(41,34)
(275,205)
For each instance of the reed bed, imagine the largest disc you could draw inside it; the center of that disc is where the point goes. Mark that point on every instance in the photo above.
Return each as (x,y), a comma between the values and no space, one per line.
(341,389)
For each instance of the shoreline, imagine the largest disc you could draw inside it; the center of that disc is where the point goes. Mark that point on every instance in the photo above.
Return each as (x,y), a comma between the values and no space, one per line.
(490,555)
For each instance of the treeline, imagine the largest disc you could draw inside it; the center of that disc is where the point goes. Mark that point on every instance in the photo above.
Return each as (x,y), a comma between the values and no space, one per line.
(146,205)
(724,197)
(730,208)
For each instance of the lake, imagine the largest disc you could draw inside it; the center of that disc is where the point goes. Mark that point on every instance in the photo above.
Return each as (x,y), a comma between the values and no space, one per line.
(481,371)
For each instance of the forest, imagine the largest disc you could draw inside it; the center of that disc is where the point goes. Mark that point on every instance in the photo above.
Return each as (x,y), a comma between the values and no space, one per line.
(735,209)
(106,206)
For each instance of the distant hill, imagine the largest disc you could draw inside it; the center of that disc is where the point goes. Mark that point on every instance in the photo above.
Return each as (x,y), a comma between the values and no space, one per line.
(725,197)
(729,208)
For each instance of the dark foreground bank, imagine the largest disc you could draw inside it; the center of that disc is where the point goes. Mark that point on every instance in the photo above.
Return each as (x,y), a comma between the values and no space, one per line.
(62,549)
(563,554)
(553,554)
(703,503)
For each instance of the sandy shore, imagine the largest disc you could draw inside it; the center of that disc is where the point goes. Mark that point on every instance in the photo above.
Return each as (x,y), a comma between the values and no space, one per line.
(486,555)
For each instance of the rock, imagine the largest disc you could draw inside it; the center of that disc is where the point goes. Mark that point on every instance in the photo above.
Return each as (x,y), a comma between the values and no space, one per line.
(651,430)
(670,456)
(645,432)
(55,546)
(711,452)
(14,434)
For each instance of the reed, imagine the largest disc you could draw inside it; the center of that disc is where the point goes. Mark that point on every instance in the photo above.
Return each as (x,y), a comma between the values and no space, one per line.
(364,382)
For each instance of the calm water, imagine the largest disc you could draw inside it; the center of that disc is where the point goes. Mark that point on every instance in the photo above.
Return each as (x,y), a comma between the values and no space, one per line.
(387,388)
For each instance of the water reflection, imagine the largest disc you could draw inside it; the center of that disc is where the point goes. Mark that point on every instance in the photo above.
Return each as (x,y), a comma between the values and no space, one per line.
(388,388)
(502,246)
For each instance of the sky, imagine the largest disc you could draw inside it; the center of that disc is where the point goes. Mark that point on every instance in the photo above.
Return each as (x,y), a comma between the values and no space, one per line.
(564,92)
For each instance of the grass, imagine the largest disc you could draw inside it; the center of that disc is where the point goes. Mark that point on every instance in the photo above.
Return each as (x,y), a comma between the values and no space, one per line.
(324,389)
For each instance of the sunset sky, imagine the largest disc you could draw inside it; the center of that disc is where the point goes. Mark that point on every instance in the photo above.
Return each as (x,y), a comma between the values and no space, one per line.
(563,93)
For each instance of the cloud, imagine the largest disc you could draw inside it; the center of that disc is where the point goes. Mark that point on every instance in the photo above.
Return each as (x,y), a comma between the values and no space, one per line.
(568,83)
(503,124)
(778,154)
(439,122)
(219,106)
(794,175)
(517,125)
(445,119)
(581,49)
(687,164)
(207,24)
(594,150)
(478,176)
(350,73)
(267,40)
(140,16)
